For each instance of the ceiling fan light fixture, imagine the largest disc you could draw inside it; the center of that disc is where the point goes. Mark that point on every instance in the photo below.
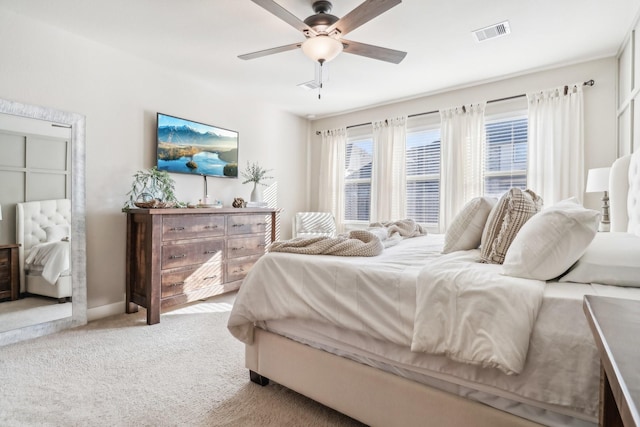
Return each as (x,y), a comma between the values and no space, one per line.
(322,48)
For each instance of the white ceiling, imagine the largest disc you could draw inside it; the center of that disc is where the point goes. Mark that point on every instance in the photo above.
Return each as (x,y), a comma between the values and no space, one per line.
(202,38)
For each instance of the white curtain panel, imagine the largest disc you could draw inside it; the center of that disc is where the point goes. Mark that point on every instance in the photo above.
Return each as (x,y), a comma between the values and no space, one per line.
(556,143)
(388,182)
(462,138)
(331,186)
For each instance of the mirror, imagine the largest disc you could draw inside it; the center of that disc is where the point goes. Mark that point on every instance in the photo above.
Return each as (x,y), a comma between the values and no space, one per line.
(76,125)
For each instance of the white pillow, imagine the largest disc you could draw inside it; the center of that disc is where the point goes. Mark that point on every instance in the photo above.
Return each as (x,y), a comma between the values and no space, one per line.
(551,241)
(56,233)
(611,259)
(465,232)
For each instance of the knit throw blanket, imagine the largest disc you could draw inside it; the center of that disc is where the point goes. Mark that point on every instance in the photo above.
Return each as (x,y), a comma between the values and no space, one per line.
(369,242)
(404,227)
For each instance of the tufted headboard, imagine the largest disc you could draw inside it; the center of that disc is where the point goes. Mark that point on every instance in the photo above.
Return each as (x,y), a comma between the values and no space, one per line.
(31,220)
(624,191)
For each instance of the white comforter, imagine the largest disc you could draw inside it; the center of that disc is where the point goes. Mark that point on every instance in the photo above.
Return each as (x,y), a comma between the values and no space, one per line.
(52,257)
(379,295)
(471,313)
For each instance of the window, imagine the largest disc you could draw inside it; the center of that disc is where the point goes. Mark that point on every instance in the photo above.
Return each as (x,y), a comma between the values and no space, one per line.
(423,175)
(357,179)
(505,155)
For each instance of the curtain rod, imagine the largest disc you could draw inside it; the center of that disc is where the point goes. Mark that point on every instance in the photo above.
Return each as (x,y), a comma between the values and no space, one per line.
(566,88)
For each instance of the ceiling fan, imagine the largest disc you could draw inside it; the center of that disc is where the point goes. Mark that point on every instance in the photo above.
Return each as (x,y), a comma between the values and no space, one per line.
(324,32)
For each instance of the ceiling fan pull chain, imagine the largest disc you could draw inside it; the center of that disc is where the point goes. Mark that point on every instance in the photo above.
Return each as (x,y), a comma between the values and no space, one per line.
(321,61)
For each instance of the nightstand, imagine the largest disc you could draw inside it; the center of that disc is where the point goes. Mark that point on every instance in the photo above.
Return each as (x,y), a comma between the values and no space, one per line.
(615,324)
(9,273)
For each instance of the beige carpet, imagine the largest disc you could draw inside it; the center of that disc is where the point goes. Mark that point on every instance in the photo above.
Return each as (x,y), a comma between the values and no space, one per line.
(31,311)
(185,371)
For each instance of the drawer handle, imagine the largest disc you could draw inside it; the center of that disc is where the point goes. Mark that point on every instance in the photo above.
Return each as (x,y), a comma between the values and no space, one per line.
(177,284)
(177,228)
(177,256)
(241,270)
(210,227)
(211,277)
(210,252)
(237,249)
(261,223)
(238,225)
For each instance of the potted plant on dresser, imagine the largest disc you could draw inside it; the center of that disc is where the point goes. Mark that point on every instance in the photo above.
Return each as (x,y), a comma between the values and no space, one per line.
(152,188)
(256,174)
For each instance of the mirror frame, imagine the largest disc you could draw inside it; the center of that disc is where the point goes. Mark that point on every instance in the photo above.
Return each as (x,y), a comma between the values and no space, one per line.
(78,234)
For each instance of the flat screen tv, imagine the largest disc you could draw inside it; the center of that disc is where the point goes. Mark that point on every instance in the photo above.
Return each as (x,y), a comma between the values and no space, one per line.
(189,147)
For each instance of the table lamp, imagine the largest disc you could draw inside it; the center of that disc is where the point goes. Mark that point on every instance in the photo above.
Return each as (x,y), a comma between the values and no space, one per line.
(598,180)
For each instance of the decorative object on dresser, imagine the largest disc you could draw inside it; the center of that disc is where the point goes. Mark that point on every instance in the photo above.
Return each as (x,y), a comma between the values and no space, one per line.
(256,174)
(151,188)
(598,181)
(176,256)
(238,202)
(9,272)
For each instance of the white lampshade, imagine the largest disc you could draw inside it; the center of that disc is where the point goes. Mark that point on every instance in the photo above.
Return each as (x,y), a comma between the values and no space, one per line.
(598,180)
(321,48)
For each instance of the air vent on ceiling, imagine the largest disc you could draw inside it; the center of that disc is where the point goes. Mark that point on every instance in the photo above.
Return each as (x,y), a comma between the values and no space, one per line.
(492,31)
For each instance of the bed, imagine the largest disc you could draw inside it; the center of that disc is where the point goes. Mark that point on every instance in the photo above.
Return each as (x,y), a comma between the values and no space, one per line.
(312,324)
(43,231)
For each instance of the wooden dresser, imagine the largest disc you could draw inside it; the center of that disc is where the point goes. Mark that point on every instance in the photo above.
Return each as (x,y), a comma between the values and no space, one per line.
(9,272)
(179,255)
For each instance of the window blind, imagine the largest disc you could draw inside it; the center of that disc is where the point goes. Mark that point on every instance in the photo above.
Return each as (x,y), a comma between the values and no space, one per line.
(505,155)
(423,175)
(358,167)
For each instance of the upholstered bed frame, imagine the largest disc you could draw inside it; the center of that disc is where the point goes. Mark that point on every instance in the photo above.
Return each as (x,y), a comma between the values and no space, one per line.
(378,398)
(31,220)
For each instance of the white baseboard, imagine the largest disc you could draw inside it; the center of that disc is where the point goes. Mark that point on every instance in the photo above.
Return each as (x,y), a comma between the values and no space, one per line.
(105,311)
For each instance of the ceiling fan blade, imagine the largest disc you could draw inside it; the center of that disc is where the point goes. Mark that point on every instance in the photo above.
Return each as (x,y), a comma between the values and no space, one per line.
(271,51)
(374,52)
(362,14)
(284,14)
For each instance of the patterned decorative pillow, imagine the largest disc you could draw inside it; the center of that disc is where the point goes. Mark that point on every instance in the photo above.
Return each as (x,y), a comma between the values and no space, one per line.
(465,232)
(513,209)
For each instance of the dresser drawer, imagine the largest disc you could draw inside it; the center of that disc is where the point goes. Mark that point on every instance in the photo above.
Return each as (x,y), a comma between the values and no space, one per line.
(5,267)
(179,227)
(184,254)
(187,280)
(246,224)
(238,269)
(245,246)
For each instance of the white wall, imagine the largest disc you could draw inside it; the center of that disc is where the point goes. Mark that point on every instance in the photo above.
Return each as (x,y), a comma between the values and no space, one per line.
(120,94)
(600,111)
(629,92)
